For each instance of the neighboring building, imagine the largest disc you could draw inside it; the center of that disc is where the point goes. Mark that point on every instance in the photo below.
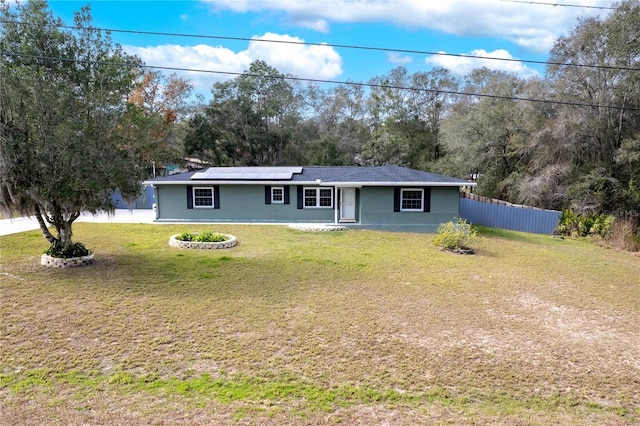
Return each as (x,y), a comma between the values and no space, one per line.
(385,197)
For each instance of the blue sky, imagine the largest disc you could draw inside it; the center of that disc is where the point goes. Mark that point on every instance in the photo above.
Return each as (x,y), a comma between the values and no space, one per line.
(496,28)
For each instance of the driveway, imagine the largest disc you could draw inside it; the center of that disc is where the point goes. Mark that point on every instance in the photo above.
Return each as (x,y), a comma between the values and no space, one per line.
(21,224)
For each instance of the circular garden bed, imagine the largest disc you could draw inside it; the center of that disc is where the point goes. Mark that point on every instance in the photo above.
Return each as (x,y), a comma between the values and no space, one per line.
(66,255)
(203,241)
(69,262)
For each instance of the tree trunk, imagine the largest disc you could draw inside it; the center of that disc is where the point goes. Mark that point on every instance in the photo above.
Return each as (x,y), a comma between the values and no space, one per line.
(43,227)
(65,232)
(57,220)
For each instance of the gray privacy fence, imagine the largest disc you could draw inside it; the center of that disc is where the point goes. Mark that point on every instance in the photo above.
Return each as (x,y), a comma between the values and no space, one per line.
(144,201)
(500,214)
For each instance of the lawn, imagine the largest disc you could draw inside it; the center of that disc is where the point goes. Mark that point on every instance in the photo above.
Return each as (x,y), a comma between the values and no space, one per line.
(288,327)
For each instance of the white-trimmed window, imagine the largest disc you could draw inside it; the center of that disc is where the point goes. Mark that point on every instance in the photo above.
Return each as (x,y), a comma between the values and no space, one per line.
(318,198)
(203,197)
(277,195)
(411,200)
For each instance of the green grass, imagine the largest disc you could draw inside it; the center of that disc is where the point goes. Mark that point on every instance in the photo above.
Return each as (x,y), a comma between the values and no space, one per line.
(291,327)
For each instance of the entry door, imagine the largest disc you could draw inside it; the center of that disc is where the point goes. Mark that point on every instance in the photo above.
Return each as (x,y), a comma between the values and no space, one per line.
(347,204)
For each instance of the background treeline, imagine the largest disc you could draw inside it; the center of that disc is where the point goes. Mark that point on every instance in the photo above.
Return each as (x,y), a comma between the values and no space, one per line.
(577,147)
(569,139)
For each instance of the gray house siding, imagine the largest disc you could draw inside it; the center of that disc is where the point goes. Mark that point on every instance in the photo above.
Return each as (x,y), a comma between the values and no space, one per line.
(247,203)
(377,210)
(238,203)
(381,197)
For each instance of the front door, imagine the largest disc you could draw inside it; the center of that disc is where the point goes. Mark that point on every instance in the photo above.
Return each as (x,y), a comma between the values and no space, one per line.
(347,204)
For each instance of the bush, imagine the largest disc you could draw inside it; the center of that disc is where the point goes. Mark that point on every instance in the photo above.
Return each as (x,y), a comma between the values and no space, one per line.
(65,251)
(185,236)
(624,234)
(574,224)
(457,235)
(210,237)
(203,237)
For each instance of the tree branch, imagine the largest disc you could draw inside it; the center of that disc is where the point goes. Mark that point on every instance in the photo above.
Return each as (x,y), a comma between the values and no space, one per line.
(43,226)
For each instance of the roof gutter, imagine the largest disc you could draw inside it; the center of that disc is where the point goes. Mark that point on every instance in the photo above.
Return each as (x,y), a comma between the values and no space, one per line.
(313,182)
(359,184)
(227,182)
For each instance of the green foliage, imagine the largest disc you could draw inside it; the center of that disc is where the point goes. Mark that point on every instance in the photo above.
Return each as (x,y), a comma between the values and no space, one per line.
(186,236)
(210,237)
(61,144)
(67,250)
(598,192)
(574,224)
(455,235)
(407,122)
(203,237)
(326,152)
(250,118)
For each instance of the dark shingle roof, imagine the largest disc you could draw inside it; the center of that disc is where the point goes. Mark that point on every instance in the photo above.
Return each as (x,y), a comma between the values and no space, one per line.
(346,174)
(178,177)
(378,174)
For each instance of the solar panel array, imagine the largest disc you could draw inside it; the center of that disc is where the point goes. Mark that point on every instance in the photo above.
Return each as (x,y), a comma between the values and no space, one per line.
(247,173)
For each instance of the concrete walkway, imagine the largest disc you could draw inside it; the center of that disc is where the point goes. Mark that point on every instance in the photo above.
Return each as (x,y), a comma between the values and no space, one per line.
(21,224)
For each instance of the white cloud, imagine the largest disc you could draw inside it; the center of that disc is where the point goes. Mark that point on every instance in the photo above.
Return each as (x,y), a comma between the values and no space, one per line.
(464,64)
(199,57)
(288,57)
(319,25)
(397,58)
(531,26)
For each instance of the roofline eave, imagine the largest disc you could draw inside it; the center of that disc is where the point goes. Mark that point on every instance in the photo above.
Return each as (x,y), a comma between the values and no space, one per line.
(386,183)
(228,182)
(313,182)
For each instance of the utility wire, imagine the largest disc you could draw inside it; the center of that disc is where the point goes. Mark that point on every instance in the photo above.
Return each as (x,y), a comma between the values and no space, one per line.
(559,4)
(316,80)
(339,46)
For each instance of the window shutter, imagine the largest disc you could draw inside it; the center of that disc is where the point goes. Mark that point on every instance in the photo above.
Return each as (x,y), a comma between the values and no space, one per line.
(189,196)
(396,199)
(267,194)
(216,196)
(427,200)
(286,194)
(300,197)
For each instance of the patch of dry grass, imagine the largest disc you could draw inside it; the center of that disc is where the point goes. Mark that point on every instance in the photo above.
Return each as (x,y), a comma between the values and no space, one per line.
(624,234)
(289,327)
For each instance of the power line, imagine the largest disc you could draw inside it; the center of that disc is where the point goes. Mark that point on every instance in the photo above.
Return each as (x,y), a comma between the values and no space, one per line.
(339,46)
(316,80)
(559,4)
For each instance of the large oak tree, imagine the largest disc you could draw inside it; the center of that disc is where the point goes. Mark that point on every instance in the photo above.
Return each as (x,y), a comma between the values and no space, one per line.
(62,97)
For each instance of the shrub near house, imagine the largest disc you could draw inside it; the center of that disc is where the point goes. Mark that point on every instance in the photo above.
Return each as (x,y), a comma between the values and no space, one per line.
(456,236)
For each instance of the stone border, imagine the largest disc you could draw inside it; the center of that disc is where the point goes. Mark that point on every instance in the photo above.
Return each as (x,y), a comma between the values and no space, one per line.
(459,251)
(69,262)
(231,241)
(317,227)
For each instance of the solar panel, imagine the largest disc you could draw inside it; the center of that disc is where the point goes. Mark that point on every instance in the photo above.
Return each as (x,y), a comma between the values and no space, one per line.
(247,173)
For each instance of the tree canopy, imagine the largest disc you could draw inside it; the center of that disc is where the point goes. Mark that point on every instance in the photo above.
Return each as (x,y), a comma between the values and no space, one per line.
(63,148)
(575,146)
